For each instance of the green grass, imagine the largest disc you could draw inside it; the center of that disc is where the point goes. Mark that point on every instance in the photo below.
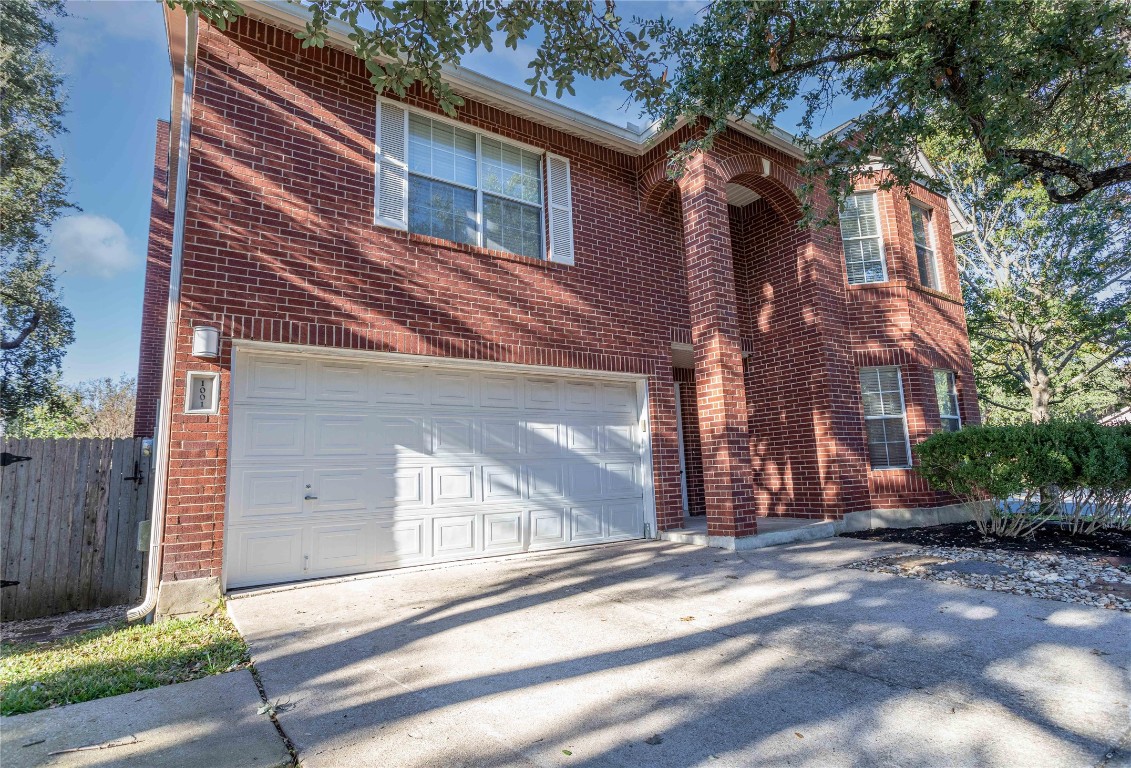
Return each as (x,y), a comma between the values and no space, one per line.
(114,660)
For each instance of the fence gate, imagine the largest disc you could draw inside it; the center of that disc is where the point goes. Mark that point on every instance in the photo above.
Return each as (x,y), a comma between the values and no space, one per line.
(70,511)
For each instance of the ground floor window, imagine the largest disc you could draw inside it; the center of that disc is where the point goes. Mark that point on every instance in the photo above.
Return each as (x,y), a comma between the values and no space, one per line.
(885,417)
(946,392)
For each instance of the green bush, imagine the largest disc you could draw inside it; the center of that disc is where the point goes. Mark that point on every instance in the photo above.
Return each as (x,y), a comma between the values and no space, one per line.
(1018,477)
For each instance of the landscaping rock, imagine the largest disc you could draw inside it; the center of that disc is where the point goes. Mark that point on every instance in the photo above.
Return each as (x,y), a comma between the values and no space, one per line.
(972,567)
(1085,579)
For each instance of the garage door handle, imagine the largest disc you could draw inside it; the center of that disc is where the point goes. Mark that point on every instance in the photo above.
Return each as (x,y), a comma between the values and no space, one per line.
(308,497)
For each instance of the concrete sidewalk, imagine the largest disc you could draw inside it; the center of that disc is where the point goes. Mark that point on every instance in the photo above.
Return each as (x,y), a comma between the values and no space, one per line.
(659,654)
(204,723)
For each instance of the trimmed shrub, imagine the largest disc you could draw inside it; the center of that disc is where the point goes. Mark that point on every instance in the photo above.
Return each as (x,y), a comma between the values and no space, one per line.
(1017,478)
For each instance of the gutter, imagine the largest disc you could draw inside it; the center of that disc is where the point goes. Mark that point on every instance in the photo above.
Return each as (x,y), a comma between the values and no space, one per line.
(164,405)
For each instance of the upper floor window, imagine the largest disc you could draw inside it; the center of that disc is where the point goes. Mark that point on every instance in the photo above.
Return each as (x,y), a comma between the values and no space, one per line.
(439,179)
(946,393)
(924,246)
(860,234)
(885,418)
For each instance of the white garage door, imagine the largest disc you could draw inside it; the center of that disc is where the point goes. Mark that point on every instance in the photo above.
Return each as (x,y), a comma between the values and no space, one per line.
(341,466)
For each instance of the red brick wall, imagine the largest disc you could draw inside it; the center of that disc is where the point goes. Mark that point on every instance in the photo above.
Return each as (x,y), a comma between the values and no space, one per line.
(904,323)
(156,297)
(280,246)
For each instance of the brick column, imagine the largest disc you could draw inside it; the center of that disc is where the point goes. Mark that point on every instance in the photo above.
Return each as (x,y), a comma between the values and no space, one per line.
(720,389)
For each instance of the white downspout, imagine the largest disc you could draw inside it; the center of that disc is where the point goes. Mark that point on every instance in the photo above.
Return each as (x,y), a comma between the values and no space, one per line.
(164,405)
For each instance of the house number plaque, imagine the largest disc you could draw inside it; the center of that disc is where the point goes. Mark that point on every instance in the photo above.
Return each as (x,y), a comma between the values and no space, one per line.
(202,392)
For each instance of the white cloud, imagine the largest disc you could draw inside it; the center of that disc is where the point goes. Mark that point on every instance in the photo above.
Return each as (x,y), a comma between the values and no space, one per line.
(87,244)
(92,25)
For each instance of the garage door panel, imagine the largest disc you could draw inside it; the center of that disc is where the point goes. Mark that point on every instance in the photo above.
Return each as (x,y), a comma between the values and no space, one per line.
(546,480)
(340,434)
(453,485)
(543,439)
(582,438)
(583,480)
(502,531)
(267,555)
(402,542)
(542,394)
(622,479)
(453,436)
(340,490)
(585,524)
(267,494)
(621,438)
(618,398)
(581,396)
(400,486)
(453,389)
(410,465)
(272,378)
(454,536)
(401,435)
(501,438)
(625,520)
(262,434)
(547,526)
(399,385)
(502,483)
(341,547)
(336,382)
(499,391)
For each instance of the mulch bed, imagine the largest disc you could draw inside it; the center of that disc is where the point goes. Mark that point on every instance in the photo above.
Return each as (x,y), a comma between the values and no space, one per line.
(1050,538)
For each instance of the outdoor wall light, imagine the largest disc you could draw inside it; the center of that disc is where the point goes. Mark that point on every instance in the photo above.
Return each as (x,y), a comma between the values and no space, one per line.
(205,341)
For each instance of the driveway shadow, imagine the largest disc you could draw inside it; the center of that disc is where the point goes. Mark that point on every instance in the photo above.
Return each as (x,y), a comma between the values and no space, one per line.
(773,657)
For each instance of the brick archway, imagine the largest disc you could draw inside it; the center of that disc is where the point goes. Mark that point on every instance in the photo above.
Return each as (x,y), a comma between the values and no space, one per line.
(777,186)
(655,186)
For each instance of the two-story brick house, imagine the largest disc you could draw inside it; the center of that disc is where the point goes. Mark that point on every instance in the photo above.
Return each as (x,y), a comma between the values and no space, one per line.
(440,339)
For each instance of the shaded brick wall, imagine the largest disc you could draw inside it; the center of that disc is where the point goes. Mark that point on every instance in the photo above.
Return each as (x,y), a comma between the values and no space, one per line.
(692,450)
(155,300)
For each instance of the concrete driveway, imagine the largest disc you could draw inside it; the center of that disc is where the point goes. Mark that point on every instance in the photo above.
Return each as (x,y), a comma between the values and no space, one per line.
(653,653)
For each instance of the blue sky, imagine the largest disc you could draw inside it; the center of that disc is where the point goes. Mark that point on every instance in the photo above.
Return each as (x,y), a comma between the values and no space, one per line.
(116,65)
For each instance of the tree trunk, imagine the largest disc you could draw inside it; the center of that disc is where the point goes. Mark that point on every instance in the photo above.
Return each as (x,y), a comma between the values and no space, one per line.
(1040,390)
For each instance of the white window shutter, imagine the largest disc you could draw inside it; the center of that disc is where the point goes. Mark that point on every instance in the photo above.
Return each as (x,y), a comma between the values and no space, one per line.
(392,165)
(560,209)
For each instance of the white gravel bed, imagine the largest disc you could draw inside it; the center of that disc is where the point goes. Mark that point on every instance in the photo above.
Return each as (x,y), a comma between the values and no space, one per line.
(1070,578)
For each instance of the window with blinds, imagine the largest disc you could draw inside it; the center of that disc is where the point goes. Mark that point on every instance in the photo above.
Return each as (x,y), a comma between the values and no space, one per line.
(885,418)
(860,236)
(946,393)
(439,179)
(924,247)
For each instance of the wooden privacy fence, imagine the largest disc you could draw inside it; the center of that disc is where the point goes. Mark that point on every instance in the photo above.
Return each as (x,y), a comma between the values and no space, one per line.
(70,511)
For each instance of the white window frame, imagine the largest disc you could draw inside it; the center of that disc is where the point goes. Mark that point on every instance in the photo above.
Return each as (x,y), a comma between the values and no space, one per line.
(903,416)
(952,393)
(478,189)
(879,239)
(931,245)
